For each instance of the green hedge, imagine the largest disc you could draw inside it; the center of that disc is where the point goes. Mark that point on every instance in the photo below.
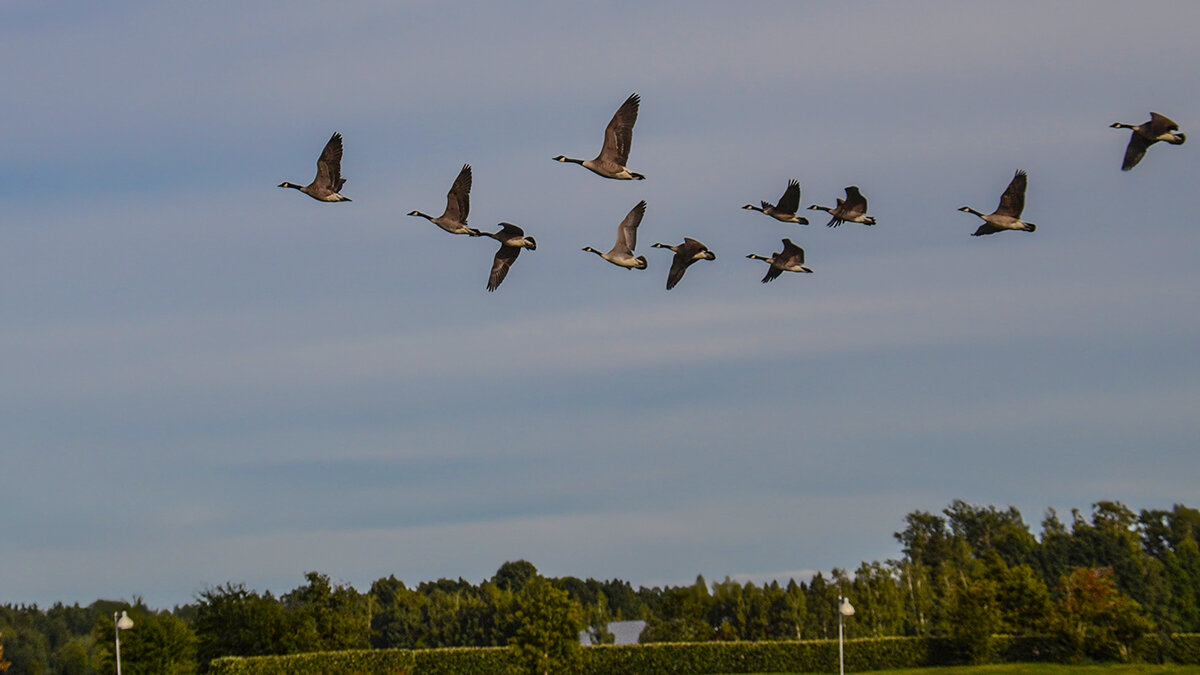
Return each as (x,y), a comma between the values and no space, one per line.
(686,658)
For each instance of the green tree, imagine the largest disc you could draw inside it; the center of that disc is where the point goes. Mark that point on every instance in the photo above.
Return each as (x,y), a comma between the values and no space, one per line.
(971,617)
(232,621)
(513,575)
(158,644)
(679,614)
(1094,619)
(548,622)
(328,617)
(878,600)
(4,665)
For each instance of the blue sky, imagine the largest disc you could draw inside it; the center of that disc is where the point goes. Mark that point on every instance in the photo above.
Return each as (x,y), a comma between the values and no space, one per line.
(209,379)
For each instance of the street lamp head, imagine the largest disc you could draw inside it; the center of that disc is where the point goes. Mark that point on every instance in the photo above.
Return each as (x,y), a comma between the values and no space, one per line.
(124,623)
(846,609)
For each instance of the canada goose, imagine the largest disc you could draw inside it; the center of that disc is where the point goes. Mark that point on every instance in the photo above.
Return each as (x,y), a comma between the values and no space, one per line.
(329,181)
(1146,134)
(610,163)
(458,205)
(512,239)
(790,259)
(1007,216)
(853,209)
(685,254)
(787,207)
(621,254)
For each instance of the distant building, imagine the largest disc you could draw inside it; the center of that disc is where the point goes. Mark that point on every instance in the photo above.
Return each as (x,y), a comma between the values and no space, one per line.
(624,632)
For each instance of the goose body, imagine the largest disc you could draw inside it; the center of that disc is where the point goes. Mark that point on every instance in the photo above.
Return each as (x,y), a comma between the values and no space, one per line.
(852,209)
(621,253)
(1007,216)
(790,259)
(686,253)
(512,239)
(458,206)
(1146,134)
(329,181)
(614,154)
(785,210)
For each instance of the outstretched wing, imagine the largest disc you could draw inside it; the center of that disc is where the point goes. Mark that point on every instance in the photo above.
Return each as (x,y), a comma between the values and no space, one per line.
(1161,124)
(791,253)
(856,203)
(458,199)
(1012,202)
(618,136)
(1135,151)
(627,230)
(329,164)
(500,264)
(790,201)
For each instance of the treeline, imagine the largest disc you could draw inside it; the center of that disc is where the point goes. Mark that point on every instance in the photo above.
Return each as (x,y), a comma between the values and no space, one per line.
(1096,584)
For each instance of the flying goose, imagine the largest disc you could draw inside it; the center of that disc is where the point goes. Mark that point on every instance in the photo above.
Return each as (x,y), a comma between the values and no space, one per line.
(329,181)
(458,205)
(1146,134)
(790,259)
(610,163)
(685,254)
(787,207)
(621,254)
(512,239)
(1007,216)
(853,209)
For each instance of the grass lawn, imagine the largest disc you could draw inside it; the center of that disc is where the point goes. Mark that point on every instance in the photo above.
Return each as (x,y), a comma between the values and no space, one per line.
(1039,669)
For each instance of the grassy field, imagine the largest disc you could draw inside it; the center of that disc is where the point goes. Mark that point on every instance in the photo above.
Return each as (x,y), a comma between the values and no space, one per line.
(1038,669)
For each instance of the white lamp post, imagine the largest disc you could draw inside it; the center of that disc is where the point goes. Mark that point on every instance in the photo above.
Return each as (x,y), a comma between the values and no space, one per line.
(844,610)
(123,623)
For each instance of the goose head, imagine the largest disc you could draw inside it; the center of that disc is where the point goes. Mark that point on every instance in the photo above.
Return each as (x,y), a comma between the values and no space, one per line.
(286,184)
(752,207)
(417,213)
(818,207)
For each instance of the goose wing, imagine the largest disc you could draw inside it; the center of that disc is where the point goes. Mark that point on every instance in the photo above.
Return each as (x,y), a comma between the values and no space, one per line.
(1161,124)
(791,254)
(773,272)
(856,203)
(685,255)
(1135,151)
(618,136)
(1012,202)
(790,201)
(505,256)
(627,230)
(329,165)
(509,231)
(458,199)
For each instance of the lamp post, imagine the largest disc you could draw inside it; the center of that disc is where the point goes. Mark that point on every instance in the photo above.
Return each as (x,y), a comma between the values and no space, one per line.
(122,623)
(844,610)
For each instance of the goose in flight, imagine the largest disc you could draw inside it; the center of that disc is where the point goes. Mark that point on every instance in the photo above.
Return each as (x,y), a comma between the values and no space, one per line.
(852,209)
(329,181)
(1007,216)
(790,259)
(618,136)
(785,210)
(685,254)
(458,205)
(1146,134)
(621,254)
(512,239)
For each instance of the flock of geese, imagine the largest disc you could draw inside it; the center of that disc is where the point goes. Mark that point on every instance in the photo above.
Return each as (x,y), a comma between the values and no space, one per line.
(610,163)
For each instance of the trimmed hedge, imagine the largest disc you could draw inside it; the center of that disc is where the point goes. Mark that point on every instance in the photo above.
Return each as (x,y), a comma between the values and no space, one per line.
(684,658)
